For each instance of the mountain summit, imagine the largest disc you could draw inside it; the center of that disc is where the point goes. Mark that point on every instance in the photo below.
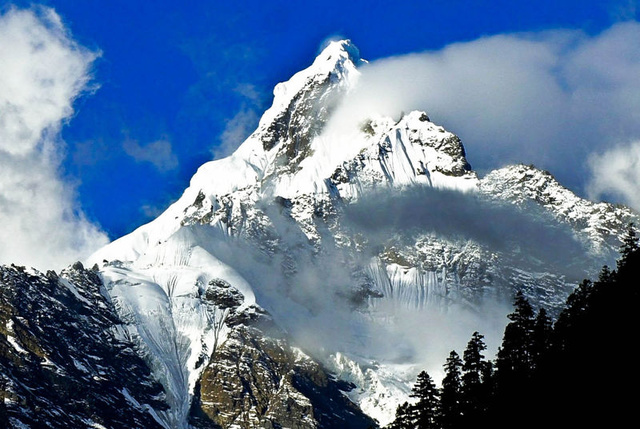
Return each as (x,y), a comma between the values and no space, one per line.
(304,280)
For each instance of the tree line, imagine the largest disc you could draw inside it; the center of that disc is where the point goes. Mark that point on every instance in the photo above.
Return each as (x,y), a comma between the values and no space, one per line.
(579,371)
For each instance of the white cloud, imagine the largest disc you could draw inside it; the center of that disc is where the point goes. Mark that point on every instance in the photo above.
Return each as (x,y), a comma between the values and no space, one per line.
(616,172)
(550,98)
(242,124)
(159,153)
(43,71)
(236,130)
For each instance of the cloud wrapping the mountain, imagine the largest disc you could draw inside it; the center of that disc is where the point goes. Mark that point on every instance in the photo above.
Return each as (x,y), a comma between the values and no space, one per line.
(549,98)
(43,71)
(500,226)
(310,293)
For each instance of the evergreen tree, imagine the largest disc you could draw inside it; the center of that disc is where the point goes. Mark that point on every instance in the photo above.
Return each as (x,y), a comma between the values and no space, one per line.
(515,355)
(451,392)
(405,417)
(428,406)
(473,361)
(474,368)
(541,339)
(629,248)
(627,281)
(606,275)
(525,345)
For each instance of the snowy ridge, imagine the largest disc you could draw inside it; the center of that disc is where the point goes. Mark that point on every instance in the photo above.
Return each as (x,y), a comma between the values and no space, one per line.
(601,224)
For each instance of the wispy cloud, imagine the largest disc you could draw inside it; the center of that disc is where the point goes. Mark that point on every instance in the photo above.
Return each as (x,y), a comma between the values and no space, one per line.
(623,10)
(236,130)
(159,153)
(43,71)
(242,124)
(616,173)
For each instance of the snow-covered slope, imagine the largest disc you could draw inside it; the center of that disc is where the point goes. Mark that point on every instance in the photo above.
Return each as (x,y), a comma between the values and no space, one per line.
(602,225)
(349,240)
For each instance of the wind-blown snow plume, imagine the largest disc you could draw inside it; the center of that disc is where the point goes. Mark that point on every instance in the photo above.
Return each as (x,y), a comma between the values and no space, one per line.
(43,72)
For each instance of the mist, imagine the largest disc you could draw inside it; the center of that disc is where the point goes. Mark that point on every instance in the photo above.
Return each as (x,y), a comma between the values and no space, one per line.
(310,289)
(526,232)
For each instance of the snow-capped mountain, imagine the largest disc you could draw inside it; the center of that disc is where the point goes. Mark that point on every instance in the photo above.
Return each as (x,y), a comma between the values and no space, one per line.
(306,279)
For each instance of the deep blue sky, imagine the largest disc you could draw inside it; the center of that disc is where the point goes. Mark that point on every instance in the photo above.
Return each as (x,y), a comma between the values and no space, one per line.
(178,71)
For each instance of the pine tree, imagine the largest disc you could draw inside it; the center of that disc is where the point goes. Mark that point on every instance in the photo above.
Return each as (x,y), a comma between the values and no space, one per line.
(627,281)
(541,339)
(428,405)
(473,361)
(405,417)
(629,248)
(514,357)
(524,341)
(475,371)
(451,392)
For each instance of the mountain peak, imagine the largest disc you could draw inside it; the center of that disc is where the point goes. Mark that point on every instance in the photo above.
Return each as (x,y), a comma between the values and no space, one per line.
(340,49)
(302,105)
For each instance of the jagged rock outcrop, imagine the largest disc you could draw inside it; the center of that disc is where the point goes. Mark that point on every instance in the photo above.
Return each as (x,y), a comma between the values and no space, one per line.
(65,360)
(261,381)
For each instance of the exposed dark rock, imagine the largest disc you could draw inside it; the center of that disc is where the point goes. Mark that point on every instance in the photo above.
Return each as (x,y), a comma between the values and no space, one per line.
(64,363)
(261,382)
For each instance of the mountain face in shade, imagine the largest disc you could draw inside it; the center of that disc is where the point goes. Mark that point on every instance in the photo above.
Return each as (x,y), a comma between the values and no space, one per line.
(306,279)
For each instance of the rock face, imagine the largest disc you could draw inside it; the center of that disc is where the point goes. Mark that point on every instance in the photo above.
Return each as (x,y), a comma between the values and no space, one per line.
(257,381)
(294,282)
(65,360)
(255,378)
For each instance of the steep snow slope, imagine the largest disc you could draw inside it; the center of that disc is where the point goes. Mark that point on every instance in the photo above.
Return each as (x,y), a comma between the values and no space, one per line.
(366,245)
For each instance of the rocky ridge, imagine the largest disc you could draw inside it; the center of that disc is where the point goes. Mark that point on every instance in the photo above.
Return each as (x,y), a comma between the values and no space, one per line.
(65,360)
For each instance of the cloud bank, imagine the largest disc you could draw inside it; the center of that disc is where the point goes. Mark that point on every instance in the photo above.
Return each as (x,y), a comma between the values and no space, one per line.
(501,227)
(43,71)
(550,98)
